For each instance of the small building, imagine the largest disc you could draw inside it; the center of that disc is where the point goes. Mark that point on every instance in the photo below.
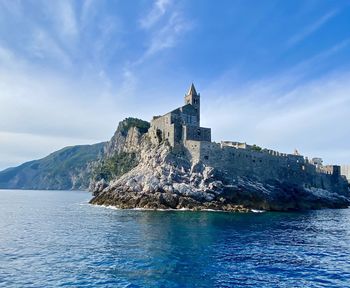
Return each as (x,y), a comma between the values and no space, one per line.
(181,124)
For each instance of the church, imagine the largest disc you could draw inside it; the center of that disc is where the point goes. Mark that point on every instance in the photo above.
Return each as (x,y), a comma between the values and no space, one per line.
(181,124)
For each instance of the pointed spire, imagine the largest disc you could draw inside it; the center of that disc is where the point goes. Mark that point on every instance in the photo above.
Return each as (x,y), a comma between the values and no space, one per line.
(192,90)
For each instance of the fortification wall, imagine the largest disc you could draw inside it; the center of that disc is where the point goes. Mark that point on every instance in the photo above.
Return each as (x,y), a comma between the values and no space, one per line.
(264,165)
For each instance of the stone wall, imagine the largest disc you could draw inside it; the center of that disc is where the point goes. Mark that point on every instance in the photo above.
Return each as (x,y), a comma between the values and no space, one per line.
(263,166)
(196,133)
(161,129)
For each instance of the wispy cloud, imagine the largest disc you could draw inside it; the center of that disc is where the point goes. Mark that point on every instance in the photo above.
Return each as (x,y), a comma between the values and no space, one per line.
(165,25)
(168,36)
(45,47)
(65,18)
(308,30)
(158,10)
(68,16)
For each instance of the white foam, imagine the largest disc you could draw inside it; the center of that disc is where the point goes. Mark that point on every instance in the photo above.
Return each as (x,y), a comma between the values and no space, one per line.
(258,211)
(170,209)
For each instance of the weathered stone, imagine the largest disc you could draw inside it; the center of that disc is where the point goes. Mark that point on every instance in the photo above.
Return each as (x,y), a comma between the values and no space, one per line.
(169,200)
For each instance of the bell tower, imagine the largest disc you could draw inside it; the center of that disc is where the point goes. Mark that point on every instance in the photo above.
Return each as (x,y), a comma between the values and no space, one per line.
(193,98)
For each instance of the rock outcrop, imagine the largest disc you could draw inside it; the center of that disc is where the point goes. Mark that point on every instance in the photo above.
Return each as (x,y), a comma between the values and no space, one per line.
(163,179)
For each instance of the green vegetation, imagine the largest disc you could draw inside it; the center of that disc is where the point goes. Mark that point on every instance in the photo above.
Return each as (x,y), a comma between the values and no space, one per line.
(127,123)
(256,148)
(67,168)
(115,166)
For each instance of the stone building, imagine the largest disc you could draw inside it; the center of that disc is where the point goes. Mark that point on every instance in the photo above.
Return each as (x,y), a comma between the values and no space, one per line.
(181,124)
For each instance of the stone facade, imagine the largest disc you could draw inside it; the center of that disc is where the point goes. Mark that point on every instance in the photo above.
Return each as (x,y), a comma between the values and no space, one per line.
(181,124)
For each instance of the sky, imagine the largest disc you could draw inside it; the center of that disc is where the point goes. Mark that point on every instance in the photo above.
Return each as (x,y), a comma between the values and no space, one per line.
(271,73)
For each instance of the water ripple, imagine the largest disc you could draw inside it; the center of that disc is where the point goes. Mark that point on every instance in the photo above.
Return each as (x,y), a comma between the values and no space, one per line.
(54,239)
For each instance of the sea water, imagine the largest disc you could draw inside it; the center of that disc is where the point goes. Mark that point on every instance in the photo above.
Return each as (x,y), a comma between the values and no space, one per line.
(56,239)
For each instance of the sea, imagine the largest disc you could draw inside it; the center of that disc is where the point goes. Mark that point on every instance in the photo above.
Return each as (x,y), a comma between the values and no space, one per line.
(56,239)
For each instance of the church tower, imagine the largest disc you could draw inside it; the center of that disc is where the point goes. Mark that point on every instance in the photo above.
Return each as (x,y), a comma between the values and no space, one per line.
(193,98)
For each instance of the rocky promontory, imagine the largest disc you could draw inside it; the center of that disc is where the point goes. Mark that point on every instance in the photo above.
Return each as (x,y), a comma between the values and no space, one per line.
(159,178)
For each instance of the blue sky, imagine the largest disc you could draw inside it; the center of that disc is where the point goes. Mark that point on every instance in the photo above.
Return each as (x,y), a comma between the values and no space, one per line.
(274,73)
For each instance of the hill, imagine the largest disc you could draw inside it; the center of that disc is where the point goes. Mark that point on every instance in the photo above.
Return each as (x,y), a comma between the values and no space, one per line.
(68,168)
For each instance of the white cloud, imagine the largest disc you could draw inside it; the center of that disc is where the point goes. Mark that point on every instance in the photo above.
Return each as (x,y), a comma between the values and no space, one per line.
(66,18)
(45,47)
(158,10)
(168,36)
(308,30)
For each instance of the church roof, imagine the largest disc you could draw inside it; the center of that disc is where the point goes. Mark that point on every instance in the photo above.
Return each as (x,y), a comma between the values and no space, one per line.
(192,90)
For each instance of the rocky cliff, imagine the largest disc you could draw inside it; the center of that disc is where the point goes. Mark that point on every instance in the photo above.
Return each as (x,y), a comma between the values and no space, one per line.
(75,167)
(162,179)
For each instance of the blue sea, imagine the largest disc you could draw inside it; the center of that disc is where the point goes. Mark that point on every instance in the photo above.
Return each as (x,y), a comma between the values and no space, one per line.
(56,239)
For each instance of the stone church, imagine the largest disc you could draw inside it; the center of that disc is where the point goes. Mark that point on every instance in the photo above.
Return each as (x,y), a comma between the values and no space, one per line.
(181,124)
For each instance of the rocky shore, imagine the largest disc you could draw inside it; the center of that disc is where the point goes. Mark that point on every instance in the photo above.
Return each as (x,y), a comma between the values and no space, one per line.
(165,180)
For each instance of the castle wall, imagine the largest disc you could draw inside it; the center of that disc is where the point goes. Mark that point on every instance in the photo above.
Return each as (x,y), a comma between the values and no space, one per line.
(264,165)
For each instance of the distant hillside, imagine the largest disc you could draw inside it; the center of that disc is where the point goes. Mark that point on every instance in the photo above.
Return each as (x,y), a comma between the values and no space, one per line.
(68,168)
